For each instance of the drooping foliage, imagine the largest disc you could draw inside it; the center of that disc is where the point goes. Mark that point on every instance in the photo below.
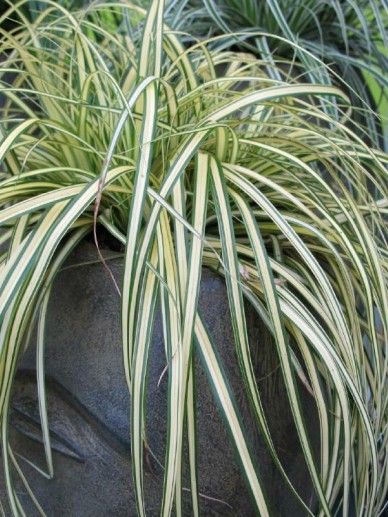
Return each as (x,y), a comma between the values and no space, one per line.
(200,156)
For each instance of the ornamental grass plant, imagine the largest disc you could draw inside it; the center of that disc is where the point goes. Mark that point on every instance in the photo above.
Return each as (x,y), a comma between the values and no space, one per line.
(194,156)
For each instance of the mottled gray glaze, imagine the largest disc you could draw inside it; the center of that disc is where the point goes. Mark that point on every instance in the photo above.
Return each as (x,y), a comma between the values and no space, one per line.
(89,408)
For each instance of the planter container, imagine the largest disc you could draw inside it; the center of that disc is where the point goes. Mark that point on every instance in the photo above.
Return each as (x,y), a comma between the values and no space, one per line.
(89,408)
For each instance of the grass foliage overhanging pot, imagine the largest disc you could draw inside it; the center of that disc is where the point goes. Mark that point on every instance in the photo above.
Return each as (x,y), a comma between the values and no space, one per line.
(255,176)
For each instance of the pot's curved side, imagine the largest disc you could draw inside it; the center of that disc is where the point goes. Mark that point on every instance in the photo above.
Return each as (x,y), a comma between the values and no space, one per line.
(89,408)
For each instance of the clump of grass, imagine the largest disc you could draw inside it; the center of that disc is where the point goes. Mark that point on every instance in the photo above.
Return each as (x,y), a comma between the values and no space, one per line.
(256,176)
(351,37)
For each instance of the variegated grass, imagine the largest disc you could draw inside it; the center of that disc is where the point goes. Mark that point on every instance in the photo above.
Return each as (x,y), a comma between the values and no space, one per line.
(172,149)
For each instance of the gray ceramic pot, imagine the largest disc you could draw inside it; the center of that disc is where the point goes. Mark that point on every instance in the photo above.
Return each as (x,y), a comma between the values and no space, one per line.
(89,409)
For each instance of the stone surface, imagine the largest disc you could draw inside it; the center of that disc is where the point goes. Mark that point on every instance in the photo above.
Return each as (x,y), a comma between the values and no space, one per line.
(89,408)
